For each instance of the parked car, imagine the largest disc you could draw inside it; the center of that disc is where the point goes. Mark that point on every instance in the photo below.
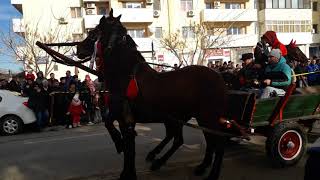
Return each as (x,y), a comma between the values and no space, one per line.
(14,112)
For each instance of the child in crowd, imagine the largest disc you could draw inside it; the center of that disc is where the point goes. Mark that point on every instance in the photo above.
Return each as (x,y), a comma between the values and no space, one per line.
(75,109)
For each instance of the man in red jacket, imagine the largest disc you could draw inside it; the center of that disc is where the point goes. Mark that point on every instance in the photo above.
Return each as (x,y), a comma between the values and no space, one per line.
(270,37)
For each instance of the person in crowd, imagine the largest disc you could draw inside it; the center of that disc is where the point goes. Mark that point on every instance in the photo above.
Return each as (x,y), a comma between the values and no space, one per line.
(30,75)
(4,84)
(277,75)
(88,87)
(75,110)
(248,75)
(67,100)
(40,77)
(312,77)
(175,66)
(271,38)
(52,81)
(28,87)
(62,84)
(14,85)
(77,82)
(301,68)
(38,102)
(69,79)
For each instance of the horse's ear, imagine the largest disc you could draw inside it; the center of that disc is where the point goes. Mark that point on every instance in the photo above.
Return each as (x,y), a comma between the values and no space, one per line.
(111,13)
(291,42)
(294,43)
(118,18)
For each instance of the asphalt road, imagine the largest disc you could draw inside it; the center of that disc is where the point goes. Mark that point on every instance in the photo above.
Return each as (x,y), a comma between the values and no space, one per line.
(87,153)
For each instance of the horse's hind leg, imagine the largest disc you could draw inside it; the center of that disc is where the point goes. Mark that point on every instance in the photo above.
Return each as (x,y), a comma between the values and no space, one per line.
(206,162)
(169,135)
(178,141)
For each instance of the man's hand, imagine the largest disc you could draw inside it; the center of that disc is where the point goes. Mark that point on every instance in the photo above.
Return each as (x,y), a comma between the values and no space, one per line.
(267,81)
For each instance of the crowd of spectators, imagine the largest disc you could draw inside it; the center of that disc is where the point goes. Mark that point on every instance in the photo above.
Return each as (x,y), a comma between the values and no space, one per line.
(51,98)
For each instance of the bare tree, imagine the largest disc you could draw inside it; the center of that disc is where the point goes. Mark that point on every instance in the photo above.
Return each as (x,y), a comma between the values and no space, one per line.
(22,47)
(191,46)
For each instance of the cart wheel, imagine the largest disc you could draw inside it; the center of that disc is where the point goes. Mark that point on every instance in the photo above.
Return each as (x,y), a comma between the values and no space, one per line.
(286,144)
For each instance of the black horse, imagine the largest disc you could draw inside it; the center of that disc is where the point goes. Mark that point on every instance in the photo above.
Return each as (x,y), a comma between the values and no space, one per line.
(193,91)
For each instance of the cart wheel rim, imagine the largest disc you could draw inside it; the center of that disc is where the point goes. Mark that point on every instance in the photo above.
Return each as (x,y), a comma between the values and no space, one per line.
(290,145)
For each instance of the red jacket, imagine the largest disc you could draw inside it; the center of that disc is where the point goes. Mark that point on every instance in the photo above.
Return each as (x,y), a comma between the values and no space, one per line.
(75,110)
(272,40)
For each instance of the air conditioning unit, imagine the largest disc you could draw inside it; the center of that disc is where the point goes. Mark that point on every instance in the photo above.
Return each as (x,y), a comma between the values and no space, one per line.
(90,12)
(156,13)
(90,5)
(216,4)
(190,13)
(149,2)
(313,31)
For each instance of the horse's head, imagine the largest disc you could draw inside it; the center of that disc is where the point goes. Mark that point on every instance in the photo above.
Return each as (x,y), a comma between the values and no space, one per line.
(295,53)
(108,31)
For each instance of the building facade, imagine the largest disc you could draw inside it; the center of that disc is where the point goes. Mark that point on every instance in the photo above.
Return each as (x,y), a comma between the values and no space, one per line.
(243,22)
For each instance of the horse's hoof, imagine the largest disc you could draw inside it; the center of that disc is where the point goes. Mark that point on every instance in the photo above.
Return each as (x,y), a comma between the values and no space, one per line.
(130,176)
(119,147)
(150,157)
(199,170)
(156,164)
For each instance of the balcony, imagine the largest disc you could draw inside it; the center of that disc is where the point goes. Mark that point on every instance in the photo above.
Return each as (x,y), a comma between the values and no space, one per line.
(290,14)
(144,44)
(91,21)
(300,37)
(227,15)
(18,25)
(18,5)
(243,40)
(134,15)
(77,26)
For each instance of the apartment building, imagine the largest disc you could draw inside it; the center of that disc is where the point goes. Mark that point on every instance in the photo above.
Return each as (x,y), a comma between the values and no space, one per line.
(242,21)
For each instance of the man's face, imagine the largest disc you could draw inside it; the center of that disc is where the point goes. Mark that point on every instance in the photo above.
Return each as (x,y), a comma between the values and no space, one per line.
(68,73)
(247,61)
(52,76)
(272,60)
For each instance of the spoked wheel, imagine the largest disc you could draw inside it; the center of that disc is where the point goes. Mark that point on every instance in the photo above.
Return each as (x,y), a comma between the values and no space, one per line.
(286,144)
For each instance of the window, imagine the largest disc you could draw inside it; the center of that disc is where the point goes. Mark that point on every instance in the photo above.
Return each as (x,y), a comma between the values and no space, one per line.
(55,67)
(188,32)
(275,4)
(186,5)
(102,11)
(289,26)
(156,5)
(76,12)
(234,31)
(300,4)
(315,6)
(132,5)
(136,33)
(209,6)
(158,32)
(288,4)
(282,4)
(315,28)
(233,6)
(268,4)
(294,4)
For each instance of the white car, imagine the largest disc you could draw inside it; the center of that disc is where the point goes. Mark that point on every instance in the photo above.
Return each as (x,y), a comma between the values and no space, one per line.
(14,112)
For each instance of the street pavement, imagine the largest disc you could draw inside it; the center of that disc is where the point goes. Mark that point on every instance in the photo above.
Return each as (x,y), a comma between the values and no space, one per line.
(88,153)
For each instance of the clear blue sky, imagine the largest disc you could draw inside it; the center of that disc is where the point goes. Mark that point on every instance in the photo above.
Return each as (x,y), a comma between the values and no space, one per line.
(7,12)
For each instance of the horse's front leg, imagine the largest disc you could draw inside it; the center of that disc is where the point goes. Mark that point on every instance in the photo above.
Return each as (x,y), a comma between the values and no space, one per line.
(129,169)
(218,159)
(114,133)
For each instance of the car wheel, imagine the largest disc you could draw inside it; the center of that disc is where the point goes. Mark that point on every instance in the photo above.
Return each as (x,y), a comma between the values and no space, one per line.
(11,125)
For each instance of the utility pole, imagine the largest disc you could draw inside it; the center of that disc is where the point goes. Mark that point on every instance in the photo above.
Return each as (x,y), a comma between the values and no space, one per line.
(169,22)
